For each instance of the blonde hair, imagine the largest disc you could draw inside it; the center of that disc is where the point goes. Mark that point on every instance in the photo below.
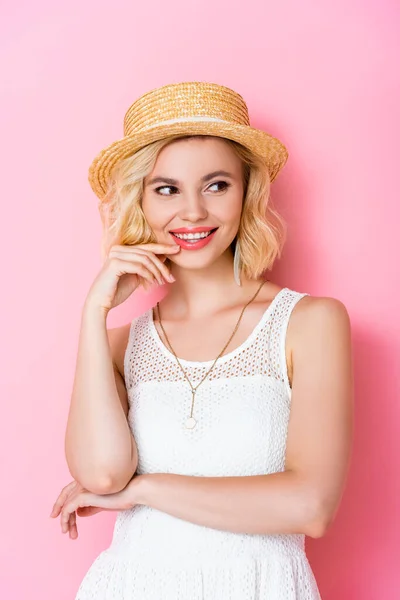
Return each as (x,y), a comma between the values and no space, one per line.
(261,233)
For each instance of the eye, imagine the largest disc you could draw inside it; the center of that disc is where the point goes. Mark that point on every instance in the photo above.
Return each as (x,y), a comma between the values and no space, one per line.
(225,185)
(165,187)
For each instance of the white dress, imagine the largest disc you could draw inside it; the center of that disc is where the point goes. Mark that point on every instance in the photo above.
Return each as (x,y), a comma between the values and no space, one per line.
(242,412)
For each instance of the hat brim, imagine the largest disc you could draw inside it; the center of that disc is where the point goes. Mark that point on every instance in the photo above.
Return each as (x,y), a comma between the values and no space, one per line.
(267,147)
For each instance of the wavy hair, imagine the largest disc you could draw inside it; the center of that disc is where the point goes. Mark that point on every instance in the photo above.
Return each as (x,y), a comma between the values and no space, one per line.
(261,233)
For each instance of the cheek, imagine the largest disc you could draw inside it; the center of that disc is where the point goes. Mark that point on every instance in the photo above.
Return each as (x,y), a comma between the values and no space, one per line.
(229,212)
(161,217)
(153,213)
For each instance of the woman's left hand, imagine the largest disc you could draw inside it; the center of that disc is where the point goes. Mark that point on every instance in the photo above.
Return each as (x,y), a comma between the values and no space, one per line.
(75,500)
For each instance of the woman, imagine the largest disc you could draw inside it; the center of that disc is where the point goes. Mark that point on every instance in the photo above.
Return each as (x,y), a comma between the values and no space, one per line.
(179,420)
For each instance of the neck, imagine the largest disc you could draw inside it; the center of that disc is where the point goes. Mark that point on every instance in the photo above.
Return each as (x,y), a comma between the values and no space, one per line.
(200,292)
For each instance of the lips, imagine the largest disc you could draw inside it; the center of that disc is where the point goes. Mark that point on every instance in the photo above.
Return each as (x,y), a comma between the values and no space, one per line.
(192,230)
(192,243)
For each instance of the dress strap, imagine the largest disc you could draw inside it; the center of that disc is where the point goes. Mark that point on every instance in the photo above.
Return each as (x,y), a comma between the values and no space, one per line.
(278,332)
(129,353)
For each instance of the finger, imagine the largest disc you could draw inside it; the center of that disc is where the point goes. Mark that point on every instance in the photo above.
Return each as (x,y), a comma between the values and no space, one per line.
(152,247)
(146,259)
(159,263)
(73,530)
(82,499)
(62,498)
(133,250)
(142,258)
(136,267)
(152,262)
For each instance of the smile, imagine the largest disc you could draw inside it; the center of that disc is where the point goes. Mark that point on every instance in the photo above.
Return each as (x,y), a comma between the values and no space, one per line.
(193,236)
(193,240)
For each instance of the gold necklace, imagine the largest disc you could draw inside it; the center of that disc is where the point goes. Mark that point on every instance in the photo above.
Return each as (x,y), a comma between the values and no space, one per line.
(191,421)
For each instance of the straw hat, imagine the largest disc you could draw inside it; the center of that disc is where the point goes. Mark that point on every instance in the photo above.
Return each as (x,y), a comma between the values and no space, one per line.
(187,108)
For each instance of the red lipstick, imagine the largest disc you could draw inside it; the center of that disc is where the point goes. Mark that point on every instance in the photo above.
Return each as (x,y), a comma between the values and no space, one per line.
(193,244)
(192,229)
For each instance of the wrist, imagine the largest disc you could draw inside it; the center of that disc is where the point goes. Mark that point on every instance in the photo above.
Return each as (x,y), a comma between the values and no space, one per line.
(93,310)
(140,489)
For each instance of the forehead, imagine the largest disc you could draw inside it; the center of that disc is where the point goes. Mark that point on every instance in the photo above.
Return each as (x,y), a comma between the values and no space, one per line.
(197,155)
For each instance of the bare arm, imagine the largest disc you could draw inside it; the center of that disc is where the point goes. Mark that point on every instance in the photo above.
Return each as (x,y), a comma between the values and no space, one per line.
(305,497)
(100,449)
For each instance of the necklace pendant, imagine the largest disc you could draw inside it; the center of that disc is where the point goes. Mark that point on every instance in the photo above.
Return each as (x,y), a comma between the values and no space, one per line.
(190,423)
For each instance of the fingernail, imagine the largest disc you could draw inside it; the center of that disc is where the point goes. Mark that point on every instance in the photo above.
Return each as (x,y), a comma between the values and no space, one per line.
(171,277)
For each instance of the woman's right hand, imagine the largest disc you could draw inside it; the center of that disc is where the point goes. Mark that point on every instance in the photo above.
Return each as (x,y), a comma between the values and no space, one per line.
(125,268)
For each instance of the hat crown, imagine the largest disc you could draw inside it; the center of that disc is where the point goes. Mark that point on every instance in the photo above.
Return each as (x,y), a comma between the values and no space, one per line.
(184,102)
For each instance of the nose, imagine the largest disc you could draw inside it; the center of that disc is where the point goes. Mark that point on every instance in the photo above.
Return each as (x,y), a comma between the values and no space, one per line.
(193,207)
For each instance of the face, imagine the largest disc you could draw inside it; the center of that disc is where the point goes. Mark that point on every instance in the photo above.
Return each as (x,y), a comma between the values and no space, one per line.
(193,197)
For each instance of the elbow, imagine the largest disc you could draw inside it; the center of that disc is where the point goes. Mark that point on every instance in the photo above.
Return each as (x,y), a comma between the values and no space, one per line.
(102,479)
(103,483)
(317,528)
(319,520)
(106,485)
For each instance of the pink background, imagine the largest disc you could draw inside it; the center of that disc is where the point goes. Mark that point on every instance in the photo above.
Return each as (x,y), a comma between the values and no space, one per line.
(323,76)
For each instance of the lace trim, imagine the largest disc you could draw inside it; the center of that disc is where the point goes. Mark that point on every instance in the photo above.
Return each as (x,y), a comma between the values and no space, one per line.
(262,353)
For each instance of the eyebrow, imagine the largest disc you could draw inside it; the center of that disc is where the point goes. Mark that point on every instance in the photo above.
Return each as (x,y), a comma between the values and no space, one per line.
(203,179)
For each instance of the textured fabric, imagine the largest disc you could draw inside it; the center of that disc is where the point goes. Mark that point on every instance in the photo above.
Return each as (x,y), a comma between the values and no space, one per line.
(242,411)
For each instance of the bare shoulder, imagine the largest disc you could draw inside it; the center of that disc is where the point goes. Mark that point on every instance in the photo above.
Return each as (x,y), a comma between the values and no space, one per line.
(316,320)
(313,313)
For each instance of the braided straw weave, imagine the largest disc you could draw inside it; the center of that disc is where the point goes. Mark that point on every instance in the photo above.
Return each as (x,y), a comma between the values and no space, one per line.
(187,108)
